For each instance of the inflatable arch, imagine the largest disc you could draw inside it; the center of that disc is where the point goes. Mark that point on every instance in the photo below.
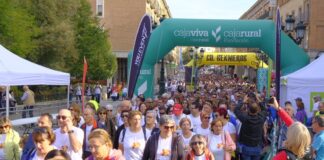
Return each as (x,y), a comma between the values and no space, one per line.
(216,33)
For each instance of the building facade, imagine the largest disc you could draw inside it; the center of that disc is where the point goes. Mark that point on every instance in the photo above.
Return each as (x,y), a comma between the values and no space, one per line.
(309,12)
(121,18)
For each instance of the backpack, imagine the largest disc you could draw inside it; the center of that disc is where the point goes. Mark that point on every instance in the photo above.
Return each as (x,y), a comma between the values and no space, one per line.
(124,132)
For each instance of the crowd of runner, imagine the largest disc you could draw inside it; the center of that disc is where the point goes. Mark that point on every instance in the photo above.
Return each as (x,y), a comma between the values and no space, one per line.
(224,118)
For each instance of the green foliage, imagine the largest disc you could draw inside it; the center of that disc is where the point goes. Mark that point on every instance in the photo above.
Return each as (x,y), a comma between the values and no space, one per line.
(57,34)
(17,28)
(93,45)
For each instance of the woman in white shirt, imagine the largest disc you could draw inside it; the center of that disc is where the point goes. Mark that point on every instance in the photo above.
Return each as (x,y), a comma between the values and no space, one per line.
(199,149)
(186,133)
(219,141)
(132,139)
(204,129)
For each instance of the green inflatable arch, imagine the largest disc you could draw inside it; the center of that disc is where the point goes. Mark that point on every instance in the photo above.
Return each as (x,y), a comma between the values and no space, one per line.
(216,33)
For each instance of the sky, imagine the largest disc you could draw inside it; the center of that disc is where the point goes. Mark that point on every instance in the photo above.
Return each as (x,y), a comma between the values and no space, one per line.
(209,9)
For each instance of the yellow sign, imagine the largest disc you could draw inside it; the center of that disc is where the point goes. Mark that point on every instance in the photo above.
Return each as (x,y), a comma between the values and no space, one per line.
(236,59)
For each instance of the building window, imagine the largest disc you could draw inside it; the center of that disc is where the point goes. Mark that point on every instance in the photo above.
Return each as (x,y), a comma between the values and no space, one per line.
(100,8)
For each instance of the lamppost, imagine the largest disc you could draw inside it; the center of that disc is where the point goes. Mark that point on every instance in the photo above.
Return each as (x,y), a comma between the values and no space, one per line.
(191,52)
(198,56)
(299,29)
(162,79)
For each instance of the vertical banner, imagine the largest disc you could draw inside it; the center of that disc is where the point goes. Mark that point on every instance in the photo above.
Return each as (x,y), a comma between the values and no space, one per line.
(140,45)
(181,67)
(85,69)
(270,63)
(278,50)
(262,80)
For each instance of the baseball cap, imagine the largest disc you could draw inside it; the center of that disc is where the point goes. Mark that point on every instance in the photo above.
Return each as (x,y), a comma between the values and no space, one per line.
(177,109)
(298,99)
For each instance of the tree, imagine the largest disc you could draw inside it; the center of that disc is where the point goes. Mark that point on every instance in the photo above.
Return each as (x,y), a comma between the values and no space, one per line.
(17,28)
(92,43)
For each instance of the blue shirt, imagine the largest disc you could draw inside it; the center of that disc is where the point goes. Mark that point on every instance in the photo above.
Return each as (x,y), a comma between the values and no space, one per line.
(318,145)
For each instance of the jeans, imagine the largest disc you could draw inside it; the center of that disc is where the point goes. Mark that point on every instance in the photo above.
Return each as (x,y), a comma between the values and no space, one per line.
(28,109)
(97,96)
(250,153)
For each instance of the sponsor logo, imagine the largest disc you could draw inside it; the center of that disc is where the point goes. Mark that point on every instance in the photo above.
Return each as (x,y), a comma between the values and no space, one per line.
(145,72)
(216,34)
(142,46)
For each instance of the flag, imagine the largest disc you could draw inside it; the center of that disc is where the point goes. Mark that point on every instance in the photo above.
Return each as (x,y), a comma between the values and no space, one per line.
(278,50)
(85,69)
(140,45)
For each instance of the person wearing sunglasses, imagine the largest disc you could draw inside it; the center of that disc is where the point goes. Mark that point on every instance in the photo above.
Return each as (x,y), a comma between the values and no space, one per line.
(76,113)
(199,149)
(204,128)
(166,144)
(106,122)
(124,116)
(219,141)
(89,125)
(101,146)
(132,139)
(68,137)
(9,140)
(43,138)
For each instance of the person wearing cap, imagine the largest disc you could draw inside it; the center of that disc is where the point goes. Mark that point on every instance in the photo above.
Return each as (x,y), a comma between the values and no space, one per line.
(177,114)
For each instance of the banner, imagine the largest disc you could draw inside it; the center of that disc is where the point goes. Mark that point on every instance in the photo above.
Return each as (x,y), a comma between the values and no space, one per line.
(85,69)
(278,50)
(140,45)
(235,58)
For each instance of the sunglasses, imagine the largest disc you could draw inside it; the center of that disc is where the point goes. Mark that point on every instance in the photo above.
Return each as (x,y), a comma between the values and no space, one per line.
(4,126)
(102,113)
(196,143)
(61,117)
(168,127)
(206,117)
(109,110)
(125,115)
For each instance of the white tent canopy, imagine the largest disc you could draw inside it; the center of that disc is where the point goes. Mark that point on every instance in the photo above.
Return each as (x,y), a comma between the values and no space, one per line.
(304,83)
(15,71)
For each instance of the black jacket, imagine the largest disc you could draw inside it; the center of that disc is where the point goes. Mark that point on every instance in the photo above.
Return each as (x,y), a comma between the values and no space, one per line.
(177,148)
(251,132)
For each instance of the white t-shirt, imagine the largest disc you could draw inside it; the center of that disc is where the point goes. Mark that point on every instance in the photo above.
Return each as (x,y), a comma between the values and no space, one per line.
(62,139)
(88,131)
(315,106)
(203,131)
(39,158)
(164,146)
(201,157)
(2,140)
(130,139)
(215,145)
(230,128)
(195,122)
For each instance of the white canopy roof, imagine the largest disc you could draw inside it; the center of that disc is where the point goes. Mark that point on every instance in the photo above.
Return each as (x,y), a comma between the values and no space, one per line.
(15,70)
(310,75)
